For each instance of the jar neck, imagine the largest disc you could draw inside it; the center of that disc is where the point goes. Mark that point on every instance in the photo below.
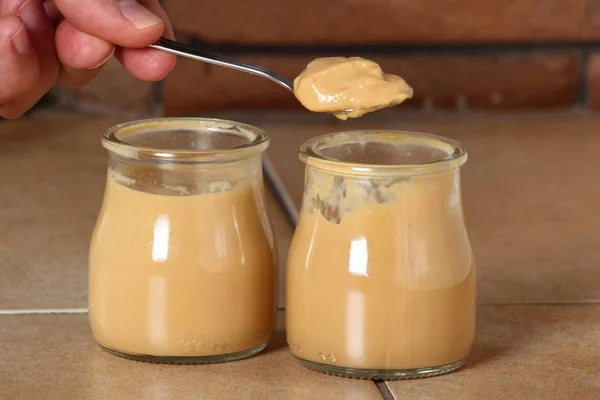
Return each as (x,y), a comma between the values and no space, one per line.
(177,179)
(186,140)
(382,153)
(316,175)
(335,195)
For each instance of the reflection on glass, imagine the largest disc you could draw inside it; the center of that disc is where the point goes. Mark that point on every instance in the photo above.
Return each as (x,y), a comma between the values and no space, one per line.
(359,257)
(160,243)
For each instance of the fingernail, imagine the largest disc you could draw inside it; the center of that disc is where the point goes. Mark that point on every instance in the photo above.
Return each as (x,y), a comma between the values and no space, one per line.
(105,60)
(20,40)
(137,14)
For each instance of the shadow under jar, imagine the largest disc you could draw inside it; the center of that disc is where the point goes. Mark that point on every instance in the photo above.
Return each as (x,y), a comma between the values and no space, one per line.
(182,260)
(380,273)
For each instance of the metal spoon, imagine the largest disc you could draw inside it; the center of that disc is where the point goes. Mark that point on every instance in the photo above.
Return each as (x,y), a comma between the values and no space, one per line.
(211,57)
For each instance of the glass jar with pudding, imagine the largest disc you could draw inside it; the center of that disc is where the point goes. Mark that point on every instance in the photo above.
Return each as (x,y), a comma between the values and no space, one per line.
(182,260)
(380,273)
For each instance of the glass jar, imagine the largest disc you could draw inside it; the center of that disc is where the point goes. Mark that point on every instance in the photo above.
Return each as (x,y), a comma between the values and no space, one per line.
(380,273)
(182,265)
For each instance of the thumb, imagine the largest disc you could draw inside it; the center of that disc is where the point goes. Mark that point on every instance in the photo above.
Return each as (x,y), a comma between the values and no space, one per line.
(126,23)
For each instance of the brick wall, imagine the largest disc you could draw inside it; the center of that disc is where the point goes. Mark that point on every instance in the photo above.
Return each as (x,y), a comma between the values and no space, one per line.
(457,54)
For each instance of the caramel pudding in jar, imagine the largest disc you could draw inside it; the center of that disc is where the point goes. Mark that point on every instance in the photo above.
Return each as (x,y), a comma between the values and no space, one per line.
(380,273)
(182,262)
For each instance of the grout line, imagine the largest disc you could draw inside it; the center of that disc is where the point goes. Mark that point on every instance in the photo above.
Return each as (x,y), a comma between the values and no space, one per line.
(281,192)
(63,311)
(531,303)
(282,308)
(544,303)
(385,391)
(45,311)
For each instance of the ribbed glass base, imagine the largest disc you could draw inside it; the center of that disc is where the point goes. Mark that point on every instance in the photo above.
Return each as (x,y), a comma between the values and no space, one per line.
(188,360)
(382,374)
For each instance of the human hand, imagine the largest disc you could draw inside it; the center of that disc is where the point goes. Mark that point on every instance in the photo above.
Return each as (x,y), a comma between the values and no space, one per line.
(68,42)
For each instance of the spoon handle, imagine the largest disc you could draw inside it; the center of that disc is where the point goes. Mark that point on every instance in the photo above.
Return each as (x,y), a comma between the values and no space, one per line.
(210,57)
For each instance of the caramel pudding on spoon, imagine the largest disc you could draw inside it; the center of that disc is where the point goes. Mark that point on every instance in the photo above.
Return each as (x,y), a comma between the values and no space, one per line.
(348,87)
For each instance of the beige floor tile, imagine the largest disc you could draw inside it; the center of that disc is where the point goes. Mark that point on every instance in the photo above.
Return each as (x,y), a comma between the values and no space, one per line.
(529,188)
(52,173)
(523,352)
(52,169)
(55,357)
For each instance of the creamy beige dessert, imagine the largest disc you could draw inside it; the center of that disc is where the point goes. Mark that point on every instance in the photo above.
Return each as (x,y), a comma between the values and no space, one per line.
(187,276)
(348,87)
(380,273)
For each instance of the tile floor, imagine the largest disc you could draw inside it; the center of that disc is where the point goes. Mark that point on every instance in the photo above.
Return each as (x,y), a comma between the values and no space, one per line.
(530,193)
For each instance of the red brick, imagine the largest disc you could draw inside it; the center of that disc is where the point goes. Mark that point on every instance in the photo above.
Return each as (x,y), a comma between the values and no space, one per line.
(457,82)
(387,21)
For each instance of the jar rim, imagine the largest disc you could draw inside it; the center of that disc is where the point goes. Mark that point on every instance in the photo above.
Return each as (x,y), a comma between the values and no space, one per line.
(311,153)
(114,140)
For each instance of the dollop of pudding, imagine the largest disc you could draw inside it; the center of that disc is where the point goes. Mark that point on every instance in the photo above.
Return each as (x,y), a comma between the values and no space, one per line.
(348,87)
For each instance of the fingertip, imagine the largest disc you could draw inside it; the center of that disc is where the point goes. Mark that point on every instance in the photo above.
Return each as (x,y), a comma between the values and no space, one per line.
(169,65)
(146,64)
(79,50)
(125,23)
(139,16)
(158,9)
